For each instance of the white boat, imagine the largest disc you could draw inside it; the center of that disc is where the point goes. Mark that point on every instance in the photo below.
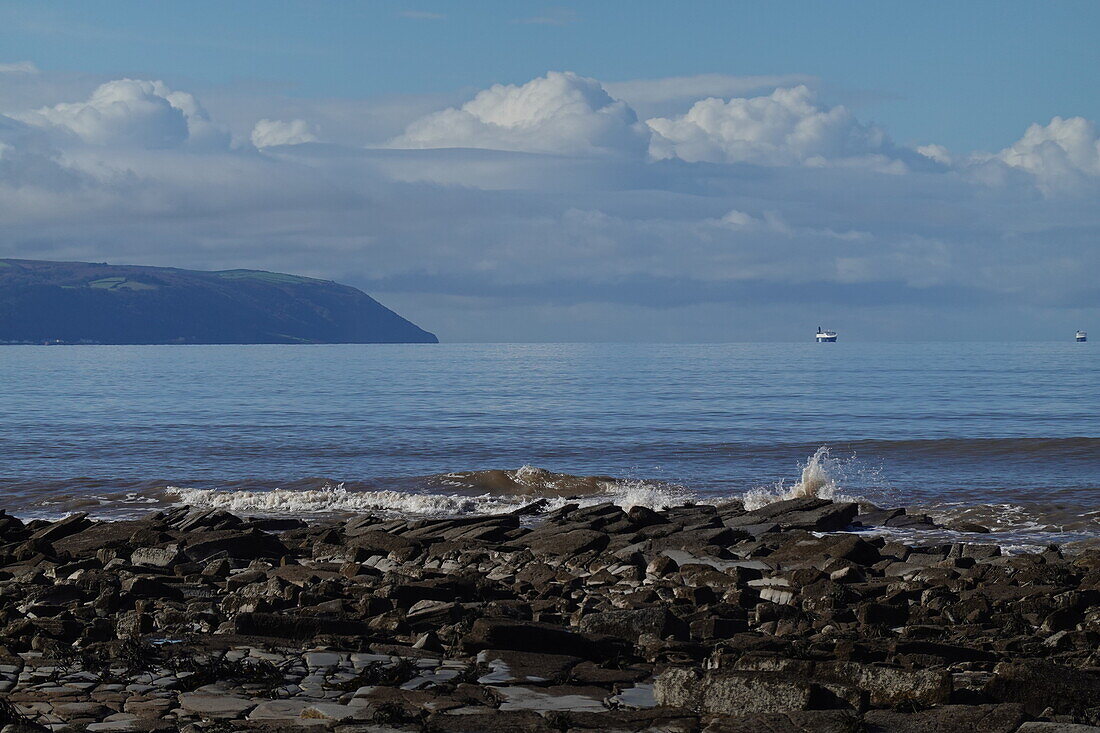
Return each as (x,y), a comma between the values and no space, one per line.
(1082,337)
(825,336)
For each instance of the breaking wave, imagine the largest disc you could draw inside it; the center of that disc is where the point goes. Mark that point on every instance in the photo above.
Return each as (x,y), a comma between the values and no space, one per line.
(818,479)
(509,490)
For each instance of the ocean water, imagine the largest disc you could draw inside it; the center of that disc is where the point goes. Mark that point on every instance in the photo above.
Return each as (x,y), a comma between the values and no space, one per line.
(1003,434)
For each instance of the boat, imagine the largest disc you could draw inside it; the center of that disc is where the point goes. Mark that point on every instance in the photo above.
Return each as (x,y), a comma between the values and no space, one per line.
(1082,337)
(825,336)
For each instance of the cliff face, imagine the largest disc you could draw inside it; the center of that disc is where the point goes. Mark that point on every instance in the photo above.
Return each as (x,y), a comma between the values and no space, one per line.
(80,302)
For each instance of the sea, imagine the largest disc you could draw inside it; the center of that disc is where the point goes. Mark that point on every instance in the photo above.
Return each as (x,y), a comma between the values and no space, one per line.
(1006,435)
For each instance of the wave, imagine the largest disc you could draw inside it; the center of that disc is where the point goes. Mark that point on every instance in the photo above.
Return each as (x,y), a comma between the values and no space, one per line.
(337,499)
(818,479)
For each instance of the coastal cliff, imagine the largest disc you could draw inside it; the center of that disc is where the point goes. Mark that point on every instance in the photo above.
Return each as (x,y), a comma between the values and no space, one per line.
(80,302)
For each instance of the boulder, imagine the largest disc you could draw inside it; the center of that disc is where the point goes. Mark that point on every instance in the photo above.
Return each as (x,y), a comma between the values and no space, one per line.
(1038,685)
(630,624)
(891,686)
(722,692)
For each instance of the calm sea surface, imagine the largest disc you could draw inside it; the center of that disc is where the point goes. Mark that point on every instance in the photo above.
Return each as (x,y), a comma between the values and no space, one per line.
(1008,434)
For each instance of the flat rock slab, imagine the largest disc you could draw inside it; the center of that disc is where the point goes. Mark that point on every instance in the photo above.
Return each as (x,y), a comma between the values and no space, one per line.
(216,706)
(818,721)
(520,721)
(278,710)
(947,719)
(552,698)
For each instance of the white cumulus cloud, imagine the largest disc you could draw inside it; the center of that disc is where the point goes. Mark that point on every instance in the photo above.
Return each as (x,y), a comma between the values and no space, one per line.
(1060,154)
(561,112)
(134,113)
(268,133)
(787,127)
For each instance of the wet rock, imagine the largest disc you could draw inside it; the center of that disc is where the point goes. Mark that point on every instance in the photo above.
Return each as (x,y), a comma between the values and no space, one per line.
(506,666)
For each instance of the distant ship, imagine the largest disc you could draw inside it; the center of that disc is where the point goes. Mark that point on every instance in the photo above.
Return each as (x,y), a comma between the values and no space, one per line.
(825,336)
(1082,336)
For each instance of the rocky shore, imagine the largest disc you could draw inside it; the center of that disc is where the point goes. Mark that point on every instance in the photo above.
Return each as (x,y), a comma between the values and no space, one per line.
(793,617)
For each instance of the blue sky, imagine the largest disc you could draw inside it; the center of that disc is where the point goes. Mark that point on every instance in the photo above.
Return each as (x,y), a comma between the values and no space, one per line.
(964,74)
(578,171)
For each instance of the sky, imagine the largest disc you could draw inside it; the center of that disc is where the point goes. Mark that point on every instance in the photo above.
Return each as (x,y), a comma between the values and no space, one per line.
(612,171)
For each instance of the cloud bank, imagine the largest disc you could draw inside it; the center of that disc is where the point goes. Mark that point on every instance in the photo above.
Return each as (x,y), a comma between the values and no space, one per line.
(552,210)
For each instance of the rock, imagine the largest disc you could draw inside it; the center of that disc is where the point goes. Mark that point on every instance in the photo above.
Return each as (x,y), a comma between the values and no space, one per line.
(1039,685)
(278,709)
(215,706)
(296,627)
(1036,726)
(508,666)
(530,636)
(568,544)
(631,624)
(157,557)
(241,545)
(549,699)
(522,721)
(891,686)
(947,719)
(62,528)
(795,721)
(735,693)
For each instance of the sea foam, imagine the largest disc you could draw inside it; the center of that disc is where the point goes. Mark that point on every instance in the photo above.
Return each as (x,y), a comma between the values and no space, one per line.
(336,499)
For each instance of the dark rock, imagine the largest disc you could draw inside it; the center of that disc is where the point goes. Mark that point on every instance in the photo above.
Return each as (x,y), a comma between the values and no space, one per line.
(63,528)
(242,545)
(1039,685)
(947,719)
(795,721)
(295,627)
(631,624)
(531,636)
(567,544)
(496,721)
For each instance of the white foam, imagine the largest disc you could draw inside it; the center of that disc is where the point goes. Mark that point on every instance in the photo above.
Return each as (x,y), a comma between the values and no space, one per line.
(338,500)
(817,480)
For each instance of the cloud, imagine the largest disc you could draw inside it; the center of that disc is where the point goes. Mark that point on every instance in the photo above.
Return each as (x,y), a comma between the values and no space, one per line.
(1062,155)
(666,94)
(535,211)
(787,127)
(20,67)
(561,112)
(134,113)
(553,16)
(268,133)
